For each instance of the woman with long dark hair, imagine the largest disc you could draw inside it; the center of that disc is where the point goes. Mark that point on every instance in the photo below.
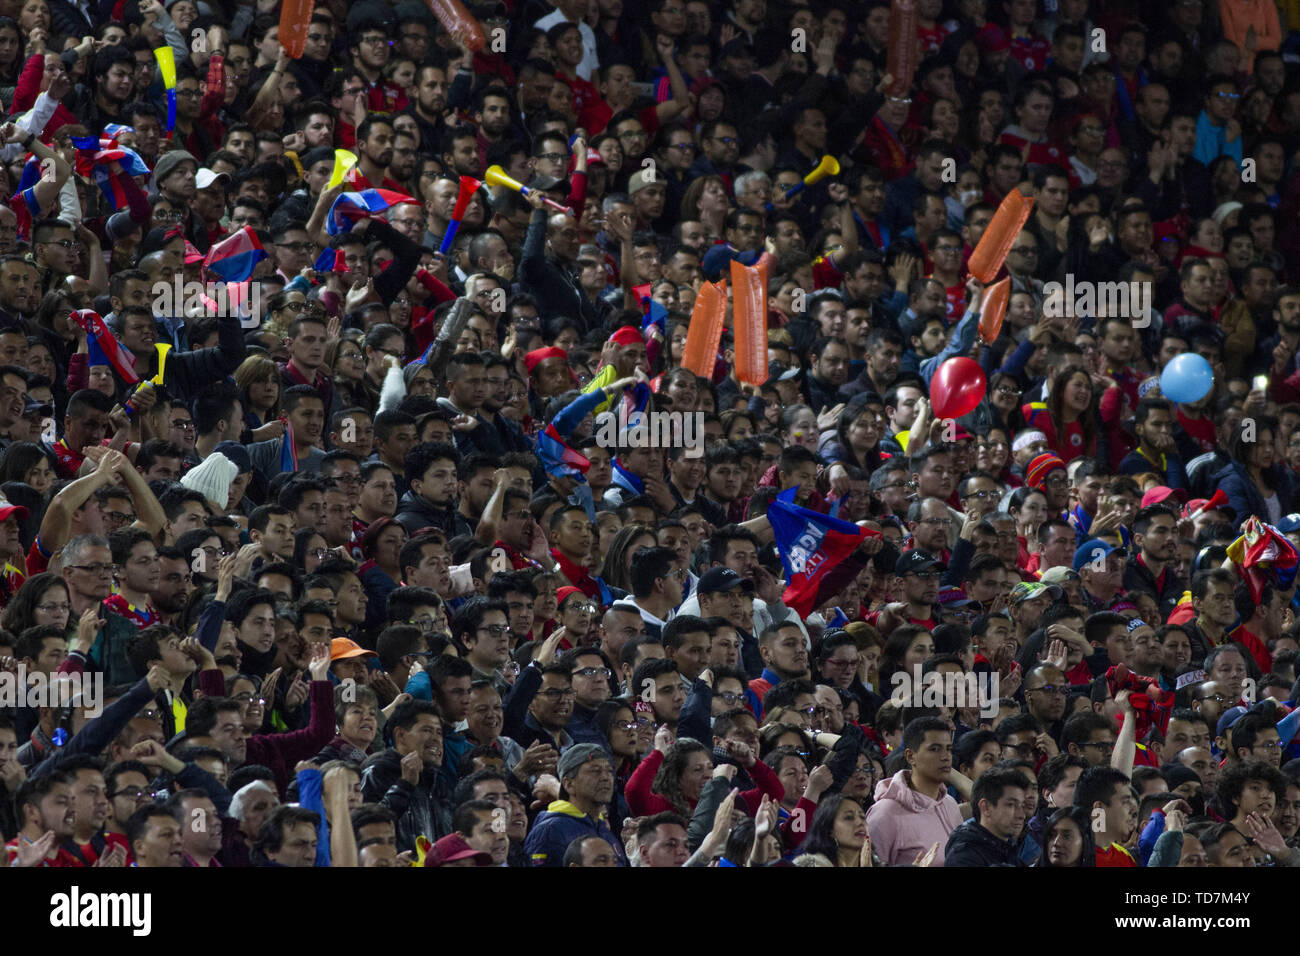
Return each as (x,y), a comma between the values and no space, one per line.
(1067,839)
(42,600)
(1256,481)
(838,831)
(1069,417)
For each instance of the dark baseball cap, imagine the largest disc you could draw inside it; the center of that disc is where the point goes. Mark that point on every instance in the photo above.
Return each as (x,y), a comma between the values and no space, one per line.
(722,579)
(913,562)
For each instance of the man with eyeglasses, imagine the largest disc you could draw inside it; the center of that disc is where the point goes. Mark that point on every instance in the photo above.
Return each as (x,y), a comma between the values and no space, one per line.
(483,629)
(1218,133)
(1045,693)
(590,676)
(88,573)
(929,521)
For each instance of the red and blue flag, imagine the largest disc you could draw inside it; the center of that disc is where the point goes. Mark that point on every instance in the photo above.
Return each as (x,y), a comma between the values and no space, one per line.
(235,257)
(810,544)
(96,153)
(115,353)
(559,460)
(350,207)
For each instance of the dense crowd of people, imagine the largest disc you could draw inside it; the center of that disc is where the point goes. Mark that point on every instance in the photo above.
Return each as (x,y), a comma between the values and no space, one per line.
(316,551)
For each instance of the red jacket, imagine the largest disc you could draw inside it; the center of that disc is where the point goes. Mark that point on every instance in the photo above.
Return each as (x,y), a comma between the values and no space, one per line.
(643,803)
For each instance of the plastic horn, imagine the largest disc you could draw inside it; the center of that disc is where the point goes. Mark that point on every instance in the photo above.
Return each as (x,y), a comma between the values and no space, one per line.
(468,186)
(167,69)
(344,160)
(1220,498)
(829,166)
(496,176)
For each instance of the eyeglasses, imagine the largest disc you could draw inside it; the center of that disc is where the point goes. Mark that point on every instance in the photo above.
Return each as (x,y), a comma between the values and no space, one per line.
(99,567)
(61,243)
(374,40)
(133,793)
(1010,390)
(119,517)
(682,147)
(926,575)
(726,140)
(581,608)
(593,672)
(980,495)
(731,698)
(557,693)
(247,698)
(496,630)
(1228,96)
(934,522)
(54,608)
(187,426)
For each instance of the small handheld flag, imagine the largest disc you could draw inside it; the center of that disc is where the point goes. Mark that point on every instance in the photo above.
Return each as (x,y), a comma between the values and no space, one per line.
(114,352)
(350,207)
(468,187)
(235,257)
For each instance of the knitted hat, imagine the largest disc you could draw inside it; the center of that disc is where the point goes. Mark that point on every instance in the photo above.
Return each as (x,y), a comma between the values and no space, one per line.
(212,478)
(628,335)
(1038,470)
(1176,775)
(576,756)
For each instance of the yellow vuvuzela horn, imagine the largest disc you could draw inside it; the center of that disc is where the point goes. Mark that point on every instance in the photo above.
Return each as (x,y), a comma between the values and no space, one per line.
(496,176)
(829,166)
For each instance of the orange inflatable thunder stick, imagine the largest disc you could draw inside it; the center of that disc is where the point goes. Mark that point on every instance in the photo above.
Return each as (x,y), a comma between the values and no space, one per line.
(994,309)
(996,242)
(704,331)
(458,23)
(295,19)
(749,318)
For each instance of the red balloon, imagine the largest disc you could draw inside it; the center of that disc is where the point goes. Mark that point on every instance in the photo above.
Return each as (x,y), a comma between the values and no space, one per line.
(957,388)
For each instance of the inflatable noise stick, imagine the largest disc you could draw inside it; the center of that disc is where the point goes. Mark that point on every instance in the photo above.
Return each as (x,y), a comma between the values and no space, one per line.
(496,176)
(1220,498)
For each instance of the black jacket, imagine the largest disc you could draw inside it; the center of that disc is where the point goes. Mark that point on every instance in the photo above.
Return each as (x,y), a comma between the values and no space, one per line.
(1139,576)
(414,513)
(971,845)
(421,810)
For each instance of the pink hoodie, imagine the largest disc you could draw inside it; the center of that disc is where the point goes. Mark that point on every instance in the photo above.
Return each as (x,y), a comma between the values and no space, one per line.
(904,823)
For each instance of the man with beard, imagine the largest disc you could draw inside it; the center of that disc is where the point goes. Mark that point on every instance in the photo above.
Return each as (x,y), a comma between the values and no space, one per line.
(475,484)
(175,581)
(829,372)
(45,806)
(431,503)
(430,100)
(928,520)
(1150,567)
(518,532)
(1045,690)
(497,376)
(19,286)
(586,788)
(375,138)
(1156,450)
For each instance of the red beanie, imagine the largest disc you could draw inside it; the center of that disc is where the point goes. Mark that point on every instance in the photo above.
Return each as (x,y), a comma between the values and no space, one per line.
(538,356)
(628,335)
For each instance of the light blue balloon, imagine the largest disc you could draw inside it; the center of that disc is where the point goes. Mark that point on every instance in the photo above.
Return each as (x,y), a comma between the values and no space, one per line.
(1187,378)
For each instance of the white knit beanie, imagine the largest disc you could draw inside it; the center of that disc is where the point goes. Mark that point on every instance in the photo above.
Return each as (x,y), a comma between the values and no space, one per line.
(212,478)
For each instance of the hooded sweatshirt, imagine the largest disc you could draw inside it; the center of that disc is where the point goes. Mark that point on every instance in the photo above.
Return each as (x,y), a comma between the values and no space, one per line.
(560,825)
(904,823)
